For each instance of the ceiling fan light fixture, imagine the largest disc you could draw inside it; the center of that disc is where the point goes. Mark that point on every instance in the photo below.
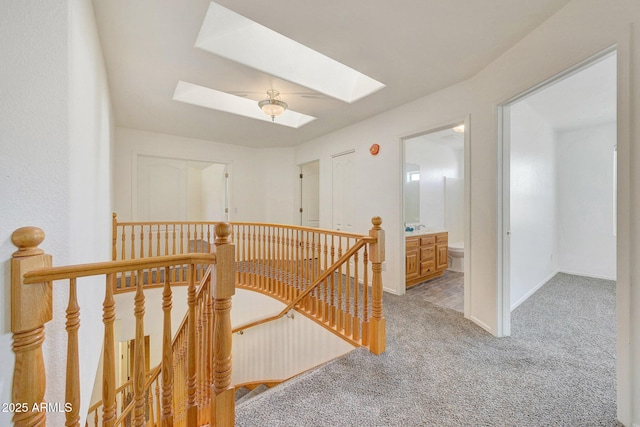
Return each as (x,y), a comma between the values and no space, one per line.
(273,106)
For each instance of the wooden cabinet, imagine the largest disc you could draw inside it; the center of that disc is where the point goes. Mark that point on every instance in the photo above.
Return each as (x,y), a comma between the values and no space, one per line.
(426,257)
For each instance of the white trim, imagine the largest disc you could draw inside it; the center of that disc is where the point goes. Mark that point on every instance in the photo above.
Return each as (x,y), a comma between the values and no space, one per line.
(467,208)
(533,291)
(482,324)
(503,187)
(593,276)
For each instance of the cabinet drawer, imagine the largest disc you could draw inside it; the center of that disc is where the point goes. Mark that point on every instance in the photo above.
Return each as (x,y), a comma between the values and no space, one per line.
(427,254)
(427,240)
(442,238)
(412,243)
(427,267)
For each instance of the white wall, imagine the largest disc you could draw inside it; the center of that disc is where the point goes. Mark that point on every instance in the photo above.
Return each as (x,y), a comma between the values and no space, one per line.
(55,142)
(586,240)
(594,25)
(261,181)
(534,253)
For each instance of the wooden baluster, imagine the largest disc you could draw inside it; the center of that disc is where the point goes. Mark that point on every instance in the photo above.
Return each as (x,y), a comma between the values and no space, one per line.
(209,354)
(356,294)
(305,267)
(114,236)
(325,285)
(157,404)
(141,241)
(340,312)
(199,359)
(223,393)
(181,271)
(281,262)
(95,418)
(332,285)
(245,257)
(72,388)
(313,298)
(377,341)
(108,355)
(139,353)
(260,258)
(150,249)
(31,308)
(191,350)
(254,258)
(124,244)
(365,298)
(167,354)
(133,242)
(348,319)
(158,251)
(151,415)
(267,262)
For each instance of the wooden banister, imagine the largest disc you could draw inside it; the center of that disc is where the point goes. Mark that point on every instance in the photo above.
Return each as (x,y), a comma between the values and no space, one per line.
(378,323)
(32,277)
(223,393)
(323,276)
(48,274)
(31,308)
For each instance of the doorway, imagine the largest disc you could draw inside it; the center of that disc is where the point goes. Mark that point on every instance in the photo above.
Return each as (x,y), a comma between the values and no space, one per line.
(559,176)
(169,189)
(435,206)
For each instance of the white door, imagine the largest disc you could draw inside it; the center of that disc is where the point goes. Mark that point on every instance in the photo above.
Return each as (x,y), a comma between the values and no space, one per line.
(343,191)
(310,194)
(162,189)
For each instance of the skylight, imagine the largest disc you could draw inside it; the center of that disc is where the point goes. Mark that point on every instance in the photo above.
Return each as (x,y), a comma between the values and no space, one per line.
(235,37)
(210,98)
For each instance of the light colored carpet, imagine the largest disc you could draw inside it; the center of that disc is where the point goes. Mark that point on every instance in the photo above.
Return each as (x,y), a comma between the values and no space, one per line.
(557,369)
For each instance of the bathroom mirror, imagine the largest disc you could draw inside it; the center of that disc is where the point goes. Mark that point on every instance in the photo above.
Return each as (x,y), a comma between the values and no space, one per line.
(411,193)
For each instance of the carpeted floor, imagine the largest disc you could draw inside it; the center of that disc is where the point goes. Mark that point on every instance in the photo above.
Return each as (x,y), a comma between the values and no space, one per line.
(557,369)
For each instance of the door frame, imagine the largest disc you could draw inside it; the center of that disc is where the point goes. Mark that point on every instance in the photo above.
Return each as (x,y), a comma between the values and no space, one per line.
(504,187)
(468,278)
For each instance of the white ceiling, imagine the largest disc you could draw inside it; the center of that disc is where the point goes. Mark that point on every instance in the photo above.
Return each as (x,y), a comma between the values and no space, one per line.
(414,47)
(585,98)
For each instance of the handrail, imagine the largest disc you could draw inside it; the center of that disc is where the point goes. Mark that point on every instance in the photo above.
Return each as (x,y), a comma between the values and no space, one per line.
(94,269)
(344,258)
(235,223)
(32,307)
(284,262)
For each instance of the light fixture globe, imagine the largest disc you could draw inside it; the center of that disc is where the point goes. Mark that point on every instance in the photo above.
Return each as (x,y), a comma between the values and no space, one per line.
(272,106)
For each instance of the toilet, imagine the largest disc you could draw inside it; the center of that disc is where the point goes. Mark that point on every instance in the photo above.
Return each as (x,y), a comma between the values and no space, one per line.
(456,257)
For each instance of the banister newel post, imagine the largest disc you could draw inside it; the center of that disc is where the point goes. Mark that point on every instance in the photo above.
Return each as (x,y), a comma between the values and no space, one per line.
(31,308)
(223,281)
(377,329)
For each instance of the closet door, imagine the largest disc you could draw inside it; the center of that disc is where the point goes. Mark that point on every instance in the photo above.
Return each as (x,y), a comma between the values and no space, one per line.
(162,189)
(343,191)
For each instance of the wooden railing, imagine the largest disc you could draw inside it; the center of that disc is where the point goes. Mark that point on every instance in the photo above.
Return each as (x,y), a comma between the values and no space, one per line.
(331,276)
(182,367)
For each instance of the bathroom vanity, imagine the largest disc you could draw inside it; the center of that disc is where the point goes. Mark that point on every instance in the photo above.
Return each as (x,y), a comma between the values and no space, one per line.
(426,256)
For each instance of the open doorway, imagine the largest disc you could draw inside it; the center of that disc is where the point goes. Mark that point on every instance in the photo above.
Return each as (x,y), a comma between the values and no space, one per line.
(435,215)
(559,182)
(168,189)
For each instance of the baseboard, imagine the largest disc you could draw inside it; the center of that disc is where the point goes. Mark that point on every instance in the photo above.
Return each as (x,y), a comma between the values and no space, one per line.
(532,291)
(482,324)
(592,276)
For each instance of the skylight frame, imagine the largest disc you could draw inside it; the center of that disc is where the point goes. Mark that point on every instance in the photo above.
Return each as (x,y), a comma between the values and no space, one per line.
(235,37)
(202,96)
